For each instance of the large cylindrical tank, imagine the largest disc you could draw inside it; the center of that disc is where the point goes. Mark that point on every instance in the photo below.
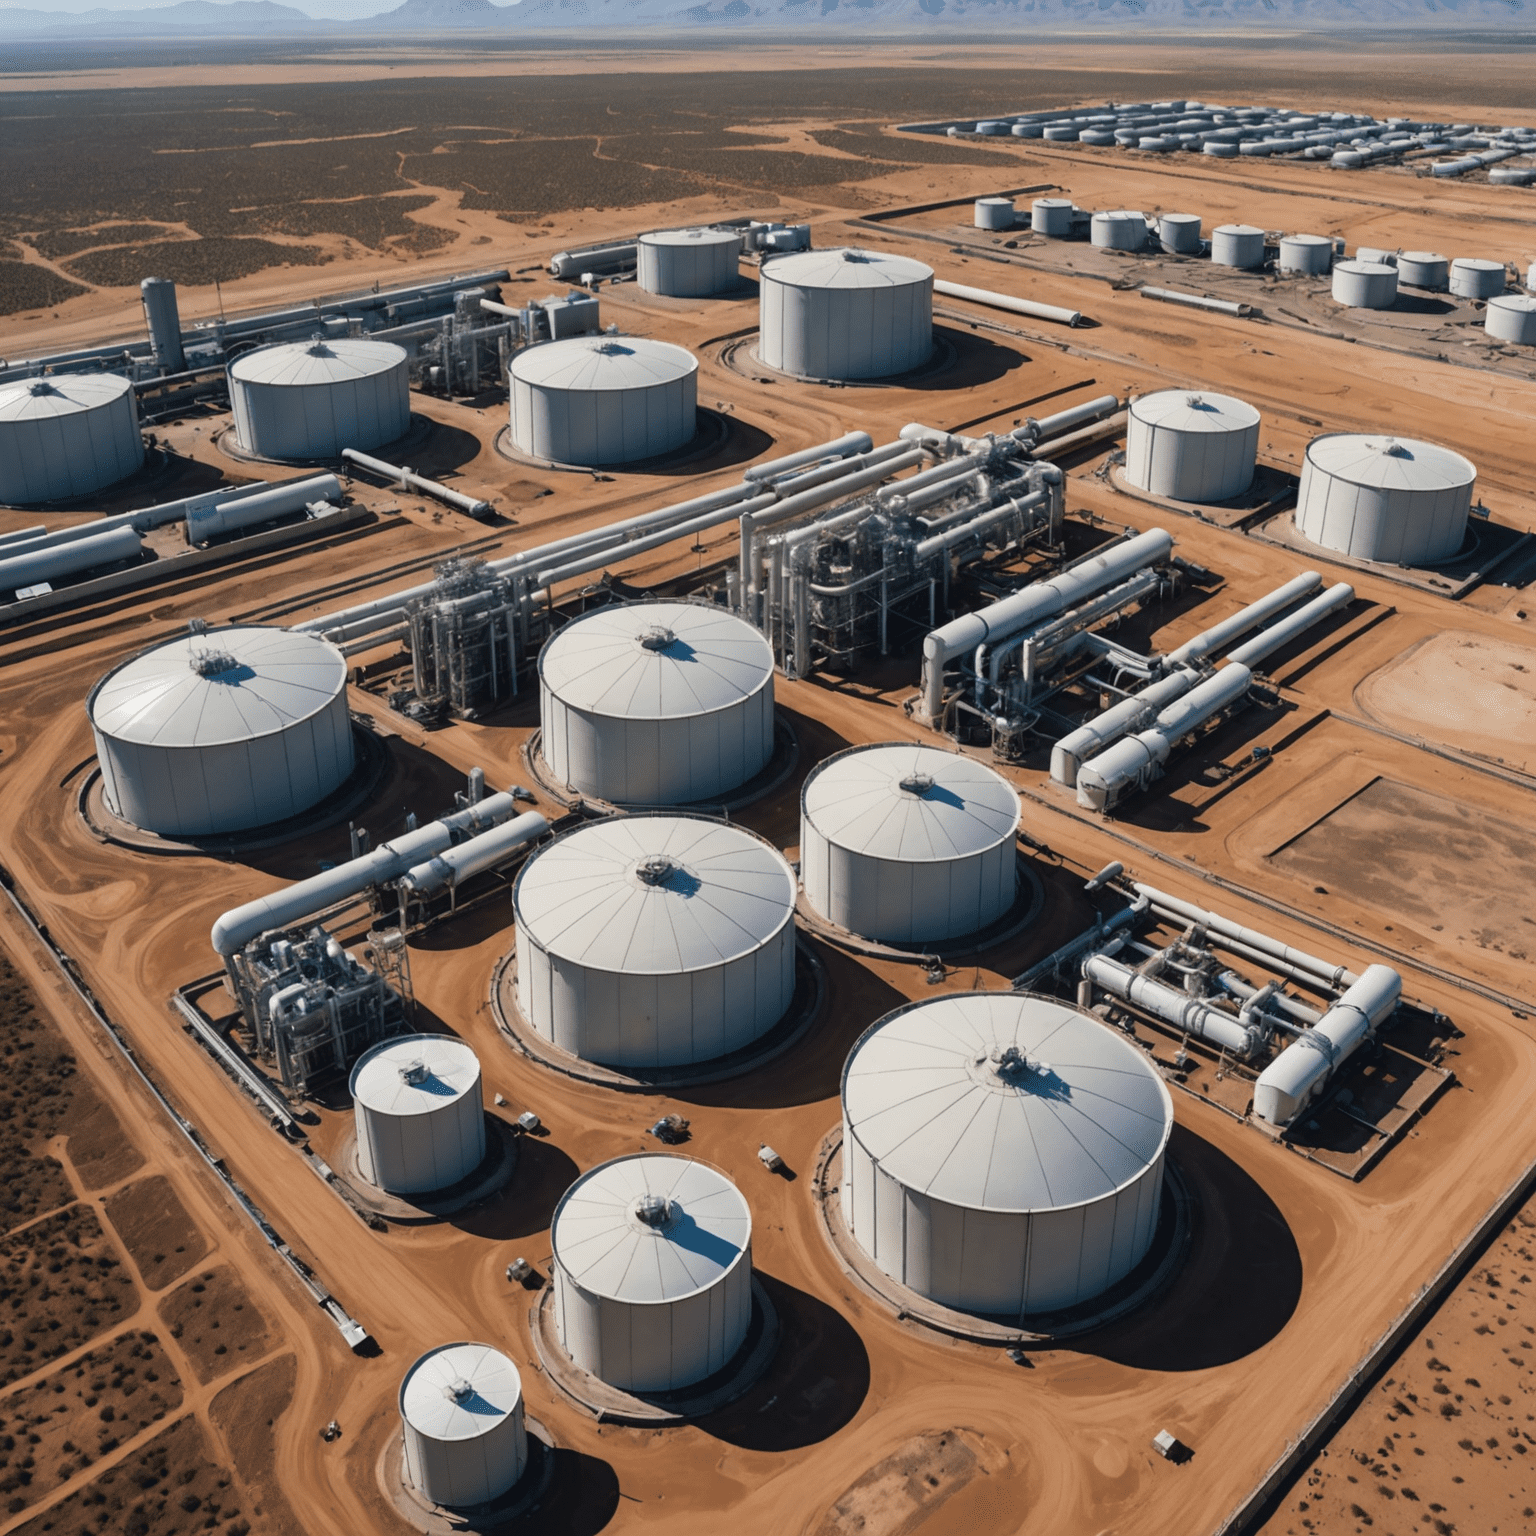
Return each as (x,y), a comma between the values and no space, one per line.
(222,730)
(66,436)
(654,940)
(1179,233)
(416,1105)
(1424,269)
(653,1271)
(1306,255)
(1472,278)
(1364,284)
(603,399)
(901,842)
(1382,498)
(845,314)
(1002,1153)
(994,213)
(1121,229)
(309,400)
(656,703)
(1051,216)
(461,1406)
(1512,317)
(1191,447)
(1237,245)
(689,263)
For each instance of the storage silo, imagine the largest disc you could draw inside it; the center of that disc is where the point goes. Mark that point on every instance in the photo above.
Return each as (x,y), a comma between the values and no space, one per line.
(1002,1152)
(654,940)
(1121,229)
(222,730)
(653,1271)
(603,399)
(309,400)
(461,1406)
(416,1105)
(1381,498)
(903,843)
(656,703)
(1472,278)
(1179,233)
(1051,216)
(994,213)
(66,436)
(1306,255)
(1424,269)
(1191,447)
(1512,317)
(1237,245)
(689,263)
(845,314)
(1364,284)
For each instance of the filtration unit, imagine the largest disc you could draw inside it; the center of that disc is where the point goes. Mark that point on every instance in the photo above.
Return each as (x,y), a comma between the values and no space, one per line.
(1237,245)
(655,941)
(221,730)
(311,400)
(1512,317)
(1308,255)
(689,263)
(1191,447)
(465,1440)
(653,1272)
(1472,278)
(1002,1152)
(463,639)
(656,703)
(1424,269)
(1051,216)
(416,1105)
(845,314)
(994,213)
(65,437)
(1365,284)
(901,843)
(603,399)
(1388,499)
(1179,233)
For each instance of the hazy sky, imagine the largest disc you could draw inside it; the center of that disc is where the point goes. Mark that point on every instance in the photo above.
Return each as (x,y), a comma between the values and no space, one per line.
(329,10)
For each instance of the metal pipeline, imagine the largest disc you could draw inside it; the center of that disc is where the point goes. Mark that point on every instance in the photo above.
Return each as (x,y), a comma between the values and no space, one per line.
(1036,431)
(39,565)
(1198,301)
(843,447)
(1172,1006)
(1210,642)
(406,479)
(928,548)
(1269,640)
(1006,301)
(1130,714)
(472,856)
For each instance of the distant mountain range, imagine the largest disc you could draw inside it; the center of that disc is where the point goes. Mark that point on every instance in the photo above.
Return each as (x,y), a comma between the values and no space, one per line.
(267,18)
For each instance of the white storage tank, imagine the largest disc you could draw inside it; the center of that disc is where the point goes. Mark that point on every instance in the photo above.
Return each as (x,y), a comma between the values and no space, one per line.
(901,842)
(1002,1153)
(66,436)
(653,1271)
(416,1105)
(1424,269)
(1191,447)
(1179,233)
(1051,216)
(845,314)
(222,730)
(1307,255)
(994,213)
(1364,284)
(654,940)
(603,399)
(1512,317)
(309,400)
(1472,278)
(1121,229)
(690,263)
(461,1406)
(656,703)
(1237,245)
(1382,498)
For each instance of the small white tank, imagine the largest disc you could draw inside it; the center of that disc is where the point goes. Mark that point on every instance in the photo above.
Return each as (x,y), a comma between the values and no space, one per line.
(1179,233)
(417,1107)
(653,1271)
(1472,278)
(1051,216)
(689,263)
(462,1410)
(1121,229)
(1512,317)
(1306,255)
(994,213)
(1424,269)
(1237,245)
(1062,133)
(1191,447)
(1364,284)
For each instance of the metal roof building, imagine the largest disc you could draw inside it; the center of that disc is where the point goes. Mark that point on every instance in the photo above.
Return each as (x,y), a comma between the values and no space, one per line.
(461,1406)
(902,842)
(66,436)
(656,703)
(1191,447)
(689,263)
(309,400)
(416,1104)
(603,399)
(655,941)
(1002,1153)
(653,1271)
(222,730)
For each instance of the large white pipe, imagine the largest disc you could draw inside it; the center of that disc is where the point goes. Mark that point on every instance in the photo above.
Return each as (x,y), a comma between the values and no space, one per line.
(48,564)
(204,523)
(950,469)
(1006,301)
(24,535)
(841,448)
(406,478)
(1120,719)
(928,548)
(1302,1069)
(1212,641)
(282,909)
(1171,1005)
(1281,634)
(473,856)
(1033,605)
(1038,430)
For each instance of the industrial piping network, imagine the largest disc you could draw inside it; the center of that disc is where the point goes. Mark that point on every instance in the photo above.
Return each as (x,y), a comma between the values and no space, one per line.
(407,480)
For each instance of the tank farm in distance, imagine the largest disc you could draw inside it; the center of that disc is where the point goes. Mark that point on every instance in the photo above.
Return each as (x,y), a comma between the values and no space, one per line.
(859,871)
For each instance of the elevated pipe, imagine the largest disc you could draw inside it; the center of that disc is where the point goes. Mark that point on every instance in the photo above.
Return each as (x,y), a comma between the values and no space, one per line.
(1035,431)
(1273,639)
(926,549)
(408,480)
(1172,1006)
(840,448)
(1006,301)
(1130,714)
(473,856)
(204,523)
(40,565)
(1212,641)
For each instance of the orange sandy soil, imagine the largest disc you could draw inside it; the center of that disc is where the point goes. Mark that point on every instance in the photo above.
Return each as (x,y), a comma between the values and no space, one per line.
(1295,1271)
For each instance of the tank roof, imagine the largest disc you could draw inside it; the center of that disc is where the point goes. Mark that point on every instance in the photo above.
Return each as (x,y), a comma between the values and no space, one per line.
(460,1391)
(1184,410)
(414,1074)
(66,395)
(299,363)
(1390,463)
(846,267)
(589,363)
(687,237)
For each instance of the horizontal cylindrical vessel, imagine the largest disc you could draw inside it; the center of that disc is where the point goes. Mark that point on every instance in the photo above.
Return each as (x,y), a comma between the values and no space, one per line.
(655,941)
(231,516)
(902,843)
(1424,269)
(1121,229)
(1472,278)
(690,263)
(1308,255)
(417,1111)
(1237,245)
(1191,447)
(1364,284)
(465,1438)
(1051,216)
(994,213)
(1002,1153)
(309,400)
(1389,499)
(845,314)
(603,399)
(1512,317)
(1179,233)
(52,562)
(653,1272)
(67,436)
(656,703)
